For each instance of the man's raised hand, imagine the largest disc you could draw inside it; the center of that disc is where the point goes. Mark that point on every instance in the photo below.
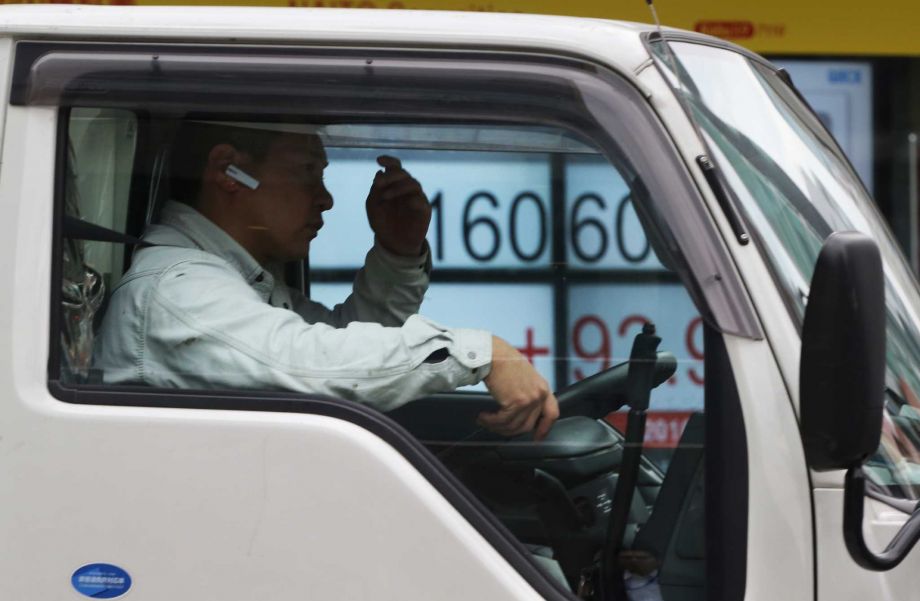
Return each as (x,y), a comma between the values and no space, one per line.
(397,209)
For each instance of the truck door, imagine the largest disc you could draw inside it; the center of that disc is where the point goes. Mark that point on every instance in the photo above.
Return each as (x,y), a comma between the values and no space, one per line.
(564,219)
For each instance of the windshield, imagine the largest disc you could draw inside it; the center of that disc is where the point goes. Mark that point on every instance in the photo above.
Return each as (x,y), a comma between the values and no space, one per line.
(796,187)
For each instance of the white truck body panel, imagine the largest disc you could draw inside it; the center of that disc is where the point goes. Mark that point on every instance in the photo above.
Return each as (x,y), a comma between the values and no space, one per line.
(288,507)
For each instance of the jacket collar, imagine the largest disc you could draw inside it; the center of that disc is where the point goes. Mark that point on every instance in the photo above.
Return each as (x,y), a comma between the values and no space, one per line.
(180,224)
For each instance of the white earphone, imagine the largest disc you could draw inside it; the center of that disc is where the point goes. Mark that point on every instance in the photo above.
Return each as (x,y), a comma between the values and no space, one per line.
(242,177)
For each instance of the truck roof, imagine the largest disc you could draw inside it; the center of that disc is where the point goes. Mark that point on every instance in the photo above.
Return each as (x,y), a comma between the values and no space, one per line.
(615,43)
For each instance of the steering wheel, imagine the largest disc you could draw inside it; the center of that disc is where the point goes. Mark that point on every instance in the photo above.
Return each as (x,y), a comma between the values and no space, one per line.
(605,391)
(448,419)
(514,474)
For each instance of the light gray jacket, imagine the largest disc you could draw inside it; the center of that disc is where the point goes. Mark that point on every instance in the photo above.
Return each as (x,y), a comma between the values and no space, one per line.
(197,311)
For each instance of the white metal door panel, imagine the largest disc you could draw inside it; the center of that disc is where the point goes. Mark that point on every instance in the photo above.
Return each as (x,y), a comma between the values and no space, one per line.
(779,550)
(839,578)
(226,505)
(198,504)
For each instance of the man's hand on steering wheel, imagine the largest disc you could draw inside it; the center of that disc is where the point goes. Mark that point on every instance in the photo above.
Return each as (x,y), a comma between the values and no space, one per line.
(525,399)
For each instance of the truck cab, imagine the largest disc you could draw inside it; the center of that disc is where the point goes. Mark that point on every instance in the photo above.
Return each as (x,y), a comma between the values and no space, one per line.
(655,218)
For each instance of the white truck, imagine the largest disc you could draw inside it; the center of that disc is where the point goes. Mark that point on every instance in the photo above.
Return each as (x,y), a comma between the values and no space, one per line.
(586,177)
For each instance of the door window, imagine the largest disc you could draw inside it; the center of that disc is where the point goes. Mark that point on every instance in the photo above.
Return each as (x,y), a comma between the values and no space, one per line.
(100,147)
(546,230)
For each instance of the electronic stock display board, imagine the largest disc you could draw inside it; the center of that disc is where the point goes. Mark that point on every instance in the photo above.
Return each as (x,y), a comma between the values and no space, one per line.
(841,94)
(544,250)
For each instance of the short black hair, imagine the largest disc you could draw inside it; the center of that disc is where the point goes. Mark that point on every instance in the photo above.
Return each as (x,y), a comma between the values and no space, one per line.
(193,143)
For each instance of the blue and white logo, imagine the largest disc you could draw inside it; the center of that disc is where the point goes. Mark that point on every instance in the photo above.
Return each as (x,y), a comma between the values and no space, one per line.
(844,76)
(101,581)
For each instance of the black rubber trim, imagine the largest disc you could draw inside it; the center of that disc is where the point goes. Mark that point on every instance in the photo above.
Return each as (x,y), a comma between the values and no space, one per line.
(704,40)
(904,540)
(28,52)
(721,191)
(726,468)
(57,240)
(560,268)
(364,417)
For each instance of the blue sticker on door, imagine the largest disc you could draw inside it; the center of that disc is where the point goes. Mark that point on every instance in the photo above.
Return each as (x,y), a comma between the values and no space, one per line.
(101,581)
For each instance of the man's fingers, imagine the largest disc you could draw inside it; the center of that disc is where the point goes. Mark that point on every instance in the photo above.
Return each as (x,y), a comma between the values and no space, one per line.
(494,421)
(385,181)
(395,182)
(387,186)
(391,175)
(408,187)
(548,416)
(510,425)
(377,183)
(532,414)
(513,419)
(394,172)
(532,418)
(392,178)
(506,421)
(542,430)
(390,162)
(524,396)
(519,419)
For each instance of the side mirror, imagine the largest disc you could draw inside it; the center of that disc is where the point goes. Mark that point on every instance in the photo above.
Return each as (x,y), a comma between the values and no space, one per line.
(842,369)
(842,381)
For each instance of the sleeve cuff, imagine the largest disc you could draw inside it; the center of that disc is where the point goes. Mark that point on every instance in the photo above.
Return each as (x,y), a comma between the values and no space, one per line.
(399,265)
(472,349)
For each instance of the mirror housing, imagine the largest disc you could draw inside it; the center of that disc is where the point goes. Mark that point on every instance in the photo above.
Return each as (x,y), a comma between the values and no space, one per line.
(842,368)
(842,382)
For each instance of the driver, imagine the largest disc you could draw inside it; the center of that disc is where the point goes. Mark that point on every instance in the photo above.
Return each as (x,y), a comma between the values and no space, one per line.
(204,304)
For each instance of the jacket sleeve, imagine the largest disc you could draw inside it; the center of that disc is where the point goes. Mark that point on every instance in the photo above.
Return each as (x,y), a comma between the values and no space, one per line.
(205,327)
(387,290)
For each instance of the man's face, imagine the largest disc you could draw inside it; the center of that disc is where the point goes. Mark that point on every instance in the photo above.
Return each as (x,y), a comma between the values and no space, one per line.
(286,209)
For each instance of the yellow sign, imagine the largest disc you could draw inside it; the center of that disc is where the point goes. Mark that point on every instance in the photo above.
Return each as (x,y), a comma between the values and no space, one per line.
(772,27)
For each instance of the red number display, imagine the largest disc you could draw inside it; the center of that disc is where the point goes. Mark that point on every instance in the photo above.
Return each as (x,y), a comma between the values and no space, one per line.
(530,351)
(663,429)
(590,326)
(694,352)
(603,350)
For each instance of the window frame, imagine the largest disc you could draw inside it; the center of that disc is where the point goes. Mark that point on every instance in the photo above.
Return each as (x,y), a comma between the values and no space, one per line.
(418,455)
(783,85)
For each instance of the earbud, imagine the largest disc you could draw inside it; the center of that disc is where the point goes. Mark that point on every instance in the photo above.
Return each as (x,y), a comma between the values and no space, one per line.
(242,177)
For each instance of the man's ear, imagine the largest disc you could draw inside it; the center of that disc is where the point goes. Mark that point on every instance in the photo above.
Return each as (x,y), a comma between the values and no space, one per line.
(221,157)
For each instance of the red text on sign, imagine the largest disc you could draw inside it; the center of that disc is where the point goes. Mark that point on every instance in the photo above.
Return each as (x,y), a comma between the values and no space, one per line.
(663,429)
(530,351)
